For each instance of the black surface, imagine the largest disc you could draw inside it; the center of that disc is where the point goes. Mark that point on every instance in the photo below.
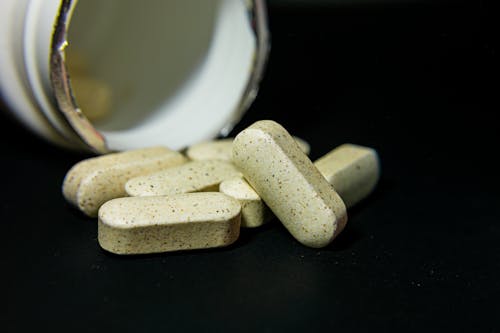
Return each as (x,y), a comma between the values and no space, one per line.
(422,253)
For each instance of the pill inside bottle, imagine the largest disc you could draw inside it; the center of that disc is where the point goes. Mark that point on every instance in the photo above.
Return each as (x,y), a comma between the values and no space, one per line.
(143,75)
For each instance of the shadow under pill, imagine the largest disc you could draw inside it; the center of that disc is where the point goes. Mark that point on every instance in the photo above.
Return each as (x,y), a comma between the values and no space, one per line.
(345,240)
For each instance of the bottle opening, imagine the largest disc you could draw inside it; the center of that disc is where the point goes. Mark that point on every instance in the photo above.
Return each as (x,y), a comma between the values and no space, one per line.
(162,72)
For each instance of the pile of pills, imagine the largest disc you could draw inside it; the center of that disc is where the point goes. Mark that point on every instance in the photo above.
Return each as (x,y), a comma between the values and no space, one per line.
(158,200)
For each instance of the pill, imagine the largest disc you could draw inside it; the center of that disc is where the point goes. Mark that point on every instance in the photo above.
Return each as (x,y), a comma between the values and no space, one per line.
(92,182)
(303,144)
(223,149)
(289,183)
(254,212)
(138,225)
(352,170)
(76,61)
(93,96)
(193,176)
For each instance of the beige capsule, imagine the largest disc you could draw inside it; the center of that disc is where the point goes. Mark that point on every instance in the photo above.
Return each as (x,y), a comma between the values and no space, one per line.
(138,225)
(223,149)
(94,97)
(289,183)
(76,62)
(352,170)
(254,212)
(193,176)
(92,182)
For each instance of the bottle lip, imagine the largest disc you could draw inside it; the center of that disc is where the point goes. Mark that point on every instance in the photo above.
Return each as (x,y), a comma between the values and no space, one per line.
(85,130)
(61,84)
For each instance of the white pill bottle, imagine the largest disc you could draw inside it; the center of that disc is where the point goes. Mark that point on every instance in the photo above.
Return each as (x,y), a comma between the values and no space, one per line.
(179,71)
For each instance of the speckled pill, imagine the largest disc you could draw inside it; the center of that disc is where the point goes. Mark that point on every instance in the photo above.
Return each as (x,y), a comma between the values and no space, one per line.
(193,176)
(223,149)
(92,182)
(254,212)
(352,170)
(289,183)
(138,225)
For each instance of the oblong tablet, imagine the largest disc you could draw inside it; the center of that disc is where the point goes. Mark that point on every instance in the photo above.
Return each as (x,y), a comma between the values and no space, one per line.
(254,212)
(223,149)
(352,170)
(289,183)
(303,144)
(211,150)
(193,176)
(92,182)
(139,225)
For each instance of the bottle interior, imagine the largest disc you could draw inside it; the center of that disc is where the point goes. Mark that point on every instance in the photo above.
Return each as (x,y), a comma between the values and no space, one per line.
(159,72)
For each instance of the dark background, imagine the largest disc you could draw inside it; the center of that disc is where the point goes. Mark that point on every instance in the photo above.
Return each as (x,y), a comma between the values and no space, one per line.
(350,3)
(416,81)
